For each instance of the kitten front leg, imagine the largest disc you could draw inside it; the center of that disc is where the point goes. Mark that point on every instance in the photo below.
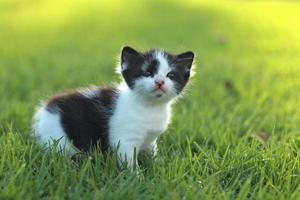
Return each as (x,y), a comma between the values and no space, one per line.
(127,155)
(150,150)
(153,148)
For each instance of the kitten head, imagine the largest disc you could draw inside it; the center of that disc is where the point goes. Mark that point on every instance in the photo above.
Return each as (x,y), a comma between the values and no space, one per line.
(156,74)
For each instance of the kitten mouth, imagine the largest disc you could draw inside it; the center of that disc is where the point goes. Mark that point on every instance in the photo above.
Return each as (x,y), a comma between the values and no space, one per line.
(158,91)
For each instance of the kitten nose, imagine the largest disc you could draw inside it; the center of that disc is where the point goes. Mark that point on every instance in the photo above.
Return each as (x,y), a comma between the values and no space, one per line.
(159,83)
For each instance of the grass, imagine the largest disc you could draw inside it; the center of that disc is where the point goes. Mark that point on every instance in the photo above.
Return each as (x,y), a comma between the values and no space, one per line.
(246,89)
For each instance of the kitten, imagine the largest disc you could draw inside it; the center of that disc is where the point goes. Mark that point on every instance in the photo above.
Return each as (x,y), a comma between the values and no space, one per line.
(126,118)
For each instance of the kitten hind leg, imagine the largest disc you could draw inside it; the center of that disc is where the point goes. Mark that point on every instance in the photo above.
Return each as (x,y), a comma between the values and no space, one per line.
(49,131)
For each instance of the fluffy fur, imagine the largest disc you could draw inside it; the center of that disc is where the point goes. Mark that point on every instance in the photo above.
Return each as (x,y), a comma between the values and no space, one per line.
(127,118)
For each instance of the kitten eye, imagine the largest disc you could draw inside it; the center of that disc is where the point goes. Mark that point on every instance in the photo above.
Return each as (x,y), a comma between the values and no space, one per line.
(171,75)
(147,74)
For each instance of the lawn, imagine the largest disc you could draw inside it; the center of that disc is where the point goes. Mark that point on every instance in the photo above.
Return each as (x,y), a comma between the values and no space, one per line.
(234,135)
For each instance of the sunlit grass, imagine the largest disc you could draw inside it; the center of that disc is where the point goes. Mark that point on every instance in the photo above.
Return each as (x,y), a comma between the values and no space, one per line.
(247,83)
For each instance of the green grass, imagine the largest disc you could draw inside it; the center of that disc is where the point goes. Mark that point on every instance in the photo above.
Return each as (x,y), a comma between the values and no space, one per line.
(247,81)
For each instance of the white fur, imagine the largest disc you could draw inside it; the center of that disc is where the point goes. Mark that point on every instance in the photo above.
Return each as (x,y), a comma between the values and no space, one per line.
(140,116)
(90,92)
(164,67)
(48,129)
(136,124)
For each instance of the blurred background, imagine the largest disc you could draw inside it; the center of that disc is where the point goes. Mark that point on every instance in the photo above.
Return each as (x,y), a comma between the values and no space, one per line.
(235,133)
(247,57)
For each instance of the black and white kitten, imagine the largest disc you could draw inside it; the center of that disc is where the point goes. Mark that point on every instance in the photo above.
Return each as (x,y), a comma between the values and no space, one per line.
(126,117)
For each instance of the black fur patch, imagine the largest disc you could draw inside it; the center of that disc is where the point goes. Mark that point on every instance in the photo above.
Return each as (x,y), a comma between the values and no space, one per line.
(137,64)
(152,67)
(181,66)
(85,120)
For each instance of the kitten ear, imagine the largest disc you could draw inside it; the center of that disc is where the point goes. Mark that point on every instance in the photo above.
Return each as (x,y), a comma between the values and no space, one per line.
(185,59)
(129,56)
